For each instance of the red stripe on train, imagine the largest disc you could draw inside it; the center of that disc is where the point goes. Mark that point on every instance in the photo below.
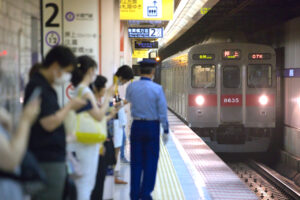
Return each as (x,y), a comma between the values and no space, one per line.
(253,99)
(209,100)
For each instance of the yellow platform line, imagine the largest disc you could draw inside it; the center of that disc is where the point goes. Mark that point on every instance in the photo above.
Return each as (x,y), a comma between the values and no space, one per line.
(167,185)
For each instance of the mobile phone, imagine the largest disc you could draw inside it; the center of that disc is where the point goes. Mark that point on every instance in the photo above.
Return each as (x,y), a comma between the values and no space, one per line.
(87,107)
(35,94)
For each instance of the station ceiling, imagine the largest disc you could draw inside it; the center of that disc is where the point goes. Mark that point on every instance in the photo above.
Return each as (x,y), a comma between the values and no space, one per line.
(248,16)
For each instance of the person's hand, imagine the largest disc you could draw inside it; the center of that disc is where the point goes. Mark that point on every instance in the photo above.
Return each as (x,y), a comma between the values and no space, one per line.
(31,110)
(114,111)
(165,138)
(77,103)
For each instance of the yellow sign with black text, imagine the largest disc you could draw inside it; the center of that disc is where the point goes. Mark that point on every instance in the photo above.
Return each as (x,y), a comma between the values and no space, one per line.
(146,9)
(140,54)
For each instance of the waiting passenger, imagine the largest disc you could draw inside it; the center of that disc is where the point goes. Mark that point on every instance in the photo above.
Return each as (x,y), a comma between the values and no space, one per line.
(122,76)
(48,139)
(13,147)
(85,74)
(106,154)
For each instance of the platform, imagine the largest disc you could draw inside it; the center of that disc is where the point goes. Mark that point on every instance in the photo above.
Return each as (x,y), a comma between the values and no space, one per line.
(189,169)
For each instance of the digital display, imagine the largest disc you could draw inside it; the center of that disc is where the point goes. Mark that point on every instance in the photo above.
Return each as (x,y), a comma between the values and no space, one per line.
(145,45)
(203,56)
(259,56)
(231,54)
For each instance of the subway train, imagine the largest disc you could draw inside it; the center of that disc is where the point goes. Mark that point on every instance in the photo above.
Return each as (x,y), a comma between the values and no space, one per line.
(226,92)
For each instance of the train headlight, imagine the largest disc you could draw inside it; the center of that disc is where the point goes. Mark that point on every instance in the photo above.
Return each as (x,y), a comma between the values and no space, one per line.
(263,100)
(200,100)
(298,101)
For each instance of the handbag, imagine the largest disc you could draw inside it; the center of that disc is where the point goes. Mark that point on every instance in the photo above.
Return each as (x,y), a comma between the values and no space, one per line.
(73,166)
(88,130)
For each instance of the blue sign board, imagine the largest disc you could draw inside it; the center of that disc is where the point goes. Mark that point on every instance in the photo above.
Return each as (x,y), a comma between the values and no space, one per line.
(145,45)
(145,32)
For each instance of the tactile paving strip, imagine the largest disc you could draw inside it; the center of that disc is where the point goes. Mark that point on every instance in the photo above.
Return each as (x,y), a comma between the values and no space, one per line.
(219,180)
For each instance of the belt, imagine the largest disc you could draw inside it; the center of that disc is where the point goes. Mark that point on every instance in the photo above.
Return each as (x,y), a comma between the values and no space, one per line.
(143,119)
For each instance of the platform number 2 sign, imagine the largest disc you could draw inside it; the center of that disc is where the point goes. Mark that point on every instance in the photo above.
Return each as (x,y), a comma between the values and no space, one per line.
(51,23)
(155,32)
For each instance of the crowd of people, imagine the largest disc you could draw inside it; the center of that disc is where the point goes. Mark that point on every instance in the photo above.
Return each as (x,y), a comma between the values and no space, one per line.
(49,161)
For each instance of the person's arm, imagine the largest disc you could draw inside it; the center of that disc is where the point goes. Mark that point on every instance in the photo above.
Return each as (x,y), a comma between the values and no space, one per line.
(112,114)
(96,112)
(162,111)
(51,122)
(12,151)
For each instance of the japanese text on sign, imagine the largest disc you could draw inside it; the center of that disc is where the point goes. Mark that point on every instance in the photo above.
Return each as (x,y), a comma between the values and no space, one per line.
(145,32)
(145,45)
(146,9)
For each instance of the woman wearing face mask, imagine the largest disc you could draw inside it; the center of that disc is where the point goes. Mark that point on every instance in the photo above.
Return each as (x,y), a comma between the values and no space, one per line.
(48,139)
(85,74)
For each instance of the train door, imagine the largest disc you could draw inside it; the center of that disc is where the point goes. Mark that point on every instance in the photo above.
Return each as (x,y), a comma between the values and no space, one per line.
(231,94)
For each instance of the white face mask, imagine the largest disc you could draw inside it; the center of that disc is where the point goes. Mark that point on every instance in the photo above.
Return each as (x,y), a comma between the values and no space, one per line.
(65,78)
(119,82)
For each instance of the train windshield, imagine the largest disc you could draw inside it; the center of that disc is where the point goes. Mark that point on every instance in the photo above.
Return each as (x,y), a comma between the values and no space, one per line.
(231,77)
(259,76)
(203,76)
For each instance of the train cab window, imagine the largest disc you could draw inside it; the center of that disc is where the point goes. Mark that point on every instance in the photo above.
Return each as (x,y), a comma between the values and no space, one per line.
(203,76)
(231,77)
(259,76)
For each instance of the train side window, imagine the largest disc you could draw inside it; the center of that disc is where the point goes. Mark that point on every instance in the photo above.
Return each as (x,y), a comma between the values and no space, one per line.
(259,76)
(203,76)
(231,76)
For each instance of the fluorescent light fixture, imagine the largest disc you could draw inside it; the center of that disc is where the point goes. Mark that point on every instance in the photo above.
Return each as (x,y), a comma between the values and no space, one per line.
(184,18)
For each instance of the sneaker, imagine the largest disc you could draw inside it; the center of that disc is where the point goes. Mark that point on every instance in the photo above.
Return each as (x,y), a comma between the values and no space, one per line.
(124,160)
(119,181)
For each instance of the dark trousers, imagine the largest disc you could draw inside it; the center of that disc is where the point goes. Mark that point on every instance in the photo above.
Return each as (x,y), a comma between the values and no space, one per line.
(144,151)
(104,162)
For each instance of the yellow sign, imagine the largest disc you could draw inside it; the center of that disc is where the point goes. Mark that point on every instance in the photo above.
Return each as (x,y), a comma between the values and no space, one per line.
(140,54)
(146,9)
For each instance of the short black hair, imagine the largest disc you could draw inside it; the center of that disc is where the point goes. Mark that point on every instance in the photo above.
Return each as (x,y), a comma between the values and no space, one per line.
(125,72)
(146,70)
(99,83)
(61,54)
(84,63)
(34,69)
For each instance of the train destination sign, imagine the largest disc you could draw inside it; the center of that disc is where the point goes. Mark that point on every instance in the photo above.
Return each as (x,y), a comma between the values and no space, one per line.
(203,56)
(259,56)
(145,45)
(145,32)
(231,54)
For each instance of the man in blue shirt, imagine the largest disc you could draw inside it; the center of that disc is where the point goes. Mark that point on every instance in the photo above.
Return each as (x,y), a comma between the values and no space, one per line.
(148,110)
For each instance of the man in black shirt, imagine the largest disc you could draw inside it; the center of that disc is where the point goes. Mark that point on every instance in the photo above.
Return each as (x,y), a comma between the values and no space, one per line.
(48,139)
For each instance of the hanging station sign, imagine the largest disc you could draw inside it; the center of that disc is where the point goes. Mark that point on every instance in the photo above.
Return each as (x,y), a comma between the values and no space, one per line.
(140,54)
(146,9)
(145,45)
(145,32)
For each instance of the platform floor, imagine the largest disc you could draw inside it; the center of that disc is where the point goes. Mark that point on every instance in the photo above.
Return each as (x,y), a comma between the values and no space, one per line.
(189,169)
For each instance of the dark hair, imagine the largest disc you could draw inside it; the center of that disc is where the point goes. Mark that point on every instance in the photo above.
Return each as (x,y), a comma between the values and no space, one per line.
(34,69)
(146,70)
(61,54)
(99,83)
(84,63)
(125,72)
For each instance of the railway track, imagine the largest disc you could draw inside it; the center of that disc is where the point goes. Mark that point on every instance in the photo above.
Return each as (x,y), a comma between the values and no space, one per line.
(265,182)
